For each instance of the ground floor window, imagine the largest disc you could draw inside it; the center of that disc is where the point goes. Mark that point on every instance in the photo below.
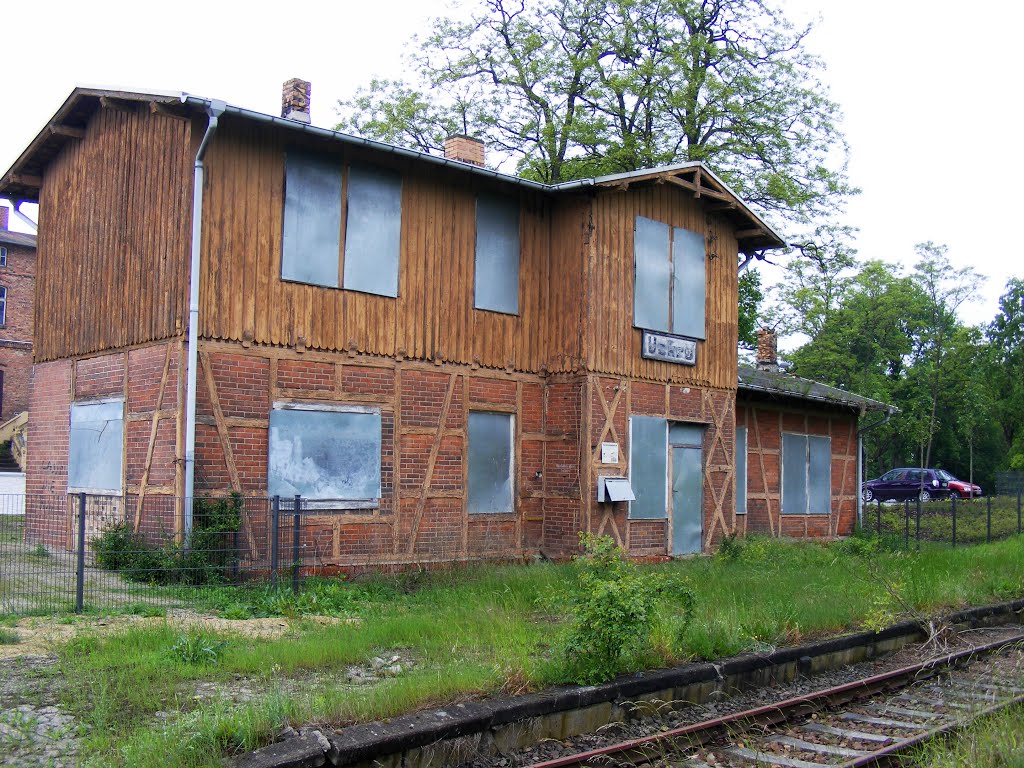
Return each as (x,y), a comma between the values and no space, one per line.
(96,449)
(491,437)
(648,466)
(741,470)
(806,474)
(325,452)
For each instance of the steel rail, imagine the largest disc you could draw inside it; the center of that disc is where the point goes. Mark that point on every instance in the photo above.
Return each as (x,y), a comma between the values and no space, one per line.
(709,731)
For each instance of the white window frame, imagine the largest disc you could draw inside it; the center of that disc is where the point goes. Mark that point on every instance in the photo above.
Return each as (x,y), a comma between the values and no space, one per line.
(287,502)
(3,255)
(511,463)
(120,475)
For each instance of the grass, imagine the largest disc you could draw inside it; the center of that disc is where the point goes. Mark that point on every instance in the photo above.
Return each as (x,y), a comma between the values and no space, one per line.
(474,631)
(937,520)
(995,742)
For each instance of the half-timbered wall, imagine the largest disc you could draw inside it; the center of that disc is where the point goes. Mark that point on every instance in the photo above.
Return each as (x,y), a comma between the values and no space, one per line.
(612,401)
(766,421)
(114,233)
(613,344)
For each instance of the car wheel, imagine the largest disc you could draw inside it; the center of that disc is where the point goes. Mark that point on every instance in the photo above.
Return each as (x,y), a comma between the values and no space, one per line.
(924,496)
(868,495)
(954,495)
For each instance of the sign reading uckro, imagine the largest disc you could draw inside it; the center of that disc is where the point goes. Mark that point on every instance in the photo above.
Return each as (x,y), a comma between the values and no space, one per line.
(671,349)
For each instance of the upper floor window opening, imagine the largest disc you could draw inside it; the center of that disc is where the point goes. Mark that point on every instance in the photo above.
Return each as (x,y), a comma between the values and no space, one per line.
(669,289)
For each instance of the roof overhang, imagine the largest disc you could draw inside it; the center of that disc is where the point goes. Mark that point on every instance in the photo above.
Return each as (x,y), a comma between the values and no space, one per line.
(784,386)
(23,180)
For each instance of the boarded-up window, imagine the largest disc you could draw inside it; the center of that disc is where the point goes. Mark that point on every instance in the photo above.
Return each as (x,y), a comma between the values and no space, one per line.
(95,458)
(648,466)
(323,452)
(373,231)
(496,277)
(490,462)
(670,279)
(312,219)
(311,244)
(741,470)
(806,474)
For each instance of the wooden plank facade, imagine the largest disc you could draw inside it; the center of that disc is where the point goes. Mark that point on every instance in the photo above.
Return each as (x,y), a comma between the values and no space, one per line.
(567,367)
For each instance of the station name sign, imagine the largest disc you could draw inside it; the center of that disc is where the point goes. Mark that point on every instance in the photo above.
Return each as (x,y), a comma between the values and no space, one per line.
(671,349)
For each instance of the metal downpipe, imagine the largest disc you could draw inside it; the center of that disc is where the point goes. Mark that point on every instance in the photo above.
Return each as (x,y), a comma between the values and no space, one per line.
(215,110)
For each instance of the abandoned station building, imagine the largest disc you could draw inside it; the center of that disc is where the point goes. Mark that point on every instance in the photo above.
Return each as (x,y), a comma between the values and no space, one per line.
(445,362)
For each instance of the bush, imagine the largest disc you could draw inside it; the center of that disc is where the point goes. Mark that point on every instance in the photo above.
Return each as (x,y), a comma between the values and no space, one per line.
(613,609)
(205,561)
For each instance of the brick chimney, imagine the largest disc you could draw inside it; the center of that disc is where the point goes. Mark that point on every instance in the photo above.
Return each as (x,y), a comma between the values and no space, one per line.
(295,100)
(464,148)
(767,350)
(4,213)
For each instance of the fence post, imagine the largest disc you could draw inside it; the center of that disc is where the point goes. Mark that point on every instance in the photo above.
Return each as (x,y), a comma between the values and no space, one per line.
(1019,493)
(235,556)
(295,545)
(988,525)
(954,521)
(878,518)
(80,565)
(906,523)
(917,528)
(275,516)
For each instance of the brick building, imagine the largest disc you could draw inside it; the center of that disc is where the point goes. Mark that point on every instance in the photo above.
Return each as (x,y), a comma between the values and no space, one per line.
(444,362)
(17,278)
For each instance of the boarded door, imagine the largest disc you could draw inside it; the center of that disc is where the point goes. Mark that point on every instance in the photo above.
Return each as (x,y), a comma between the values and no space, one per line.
(687,488)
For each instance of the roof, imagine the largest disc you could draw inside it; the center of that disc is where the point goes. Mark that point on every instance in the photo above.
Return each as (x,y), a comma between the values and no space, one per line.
(17,238)
(23,180)
(784,385)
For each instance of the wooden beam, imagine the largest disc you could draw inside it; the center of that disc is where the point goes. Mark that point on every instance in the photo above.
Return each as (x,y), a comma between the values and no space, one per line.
(699,190)
(68,131)
(168,110)
(35,182)
(744,234)
(121,105)
(721,207)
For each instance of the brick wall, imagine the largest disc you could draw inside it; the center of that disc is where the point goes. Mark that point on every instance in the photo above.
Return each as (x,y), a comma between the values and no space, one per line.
(46,473)
(18,277)
(765,422)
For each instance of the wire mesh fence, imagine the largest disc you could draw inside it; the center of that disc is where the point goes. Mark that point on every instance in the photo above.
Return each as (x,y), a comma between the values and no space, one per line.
(956,522)
(81,551)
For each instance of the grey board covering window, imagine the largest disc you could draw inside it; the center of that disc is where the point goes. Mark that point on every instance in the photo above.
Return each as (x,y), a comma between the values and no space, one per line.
(96,446)
(496,273)
(373,231)
(741,470)
(325,453)
(806,474)
(312,219)
(670,279)
(311,243)
(490,462)
(648,466)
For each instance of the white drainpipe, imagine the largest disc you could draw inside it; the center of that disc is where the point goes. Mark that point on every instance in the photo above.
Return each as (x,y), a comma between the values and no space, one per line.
(215,110)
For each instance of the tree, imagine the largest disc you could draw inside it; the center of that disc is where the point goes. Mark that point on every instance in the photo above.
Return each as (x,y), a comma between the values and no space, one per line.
(946,290)
(1006,373)
(751,296)
(576,88)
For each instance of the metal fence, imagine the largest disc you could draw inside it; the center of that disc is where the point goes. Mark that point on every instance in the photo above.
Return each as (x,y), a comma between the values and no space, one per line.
(956,522)
(1009,483)
(80,552)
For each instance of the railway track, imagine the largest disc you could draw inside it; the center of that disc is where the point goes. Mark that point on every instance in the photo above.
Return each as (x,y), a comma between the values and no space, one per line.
(871,721)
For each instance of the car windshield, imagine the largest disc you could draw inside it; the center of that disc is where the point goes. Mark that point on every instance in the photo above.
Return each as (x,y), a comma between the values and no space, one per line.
(944,475)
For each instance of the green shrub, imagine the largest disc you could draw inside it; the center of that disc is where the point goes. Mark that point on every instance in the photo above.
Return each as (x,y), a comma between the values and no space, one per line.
(613,609)
(206,559)
(198,648)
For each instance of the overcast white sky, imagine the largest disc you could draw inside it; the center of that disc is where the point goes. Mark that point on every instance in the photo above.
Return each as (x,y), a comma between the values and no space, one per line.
(929,89)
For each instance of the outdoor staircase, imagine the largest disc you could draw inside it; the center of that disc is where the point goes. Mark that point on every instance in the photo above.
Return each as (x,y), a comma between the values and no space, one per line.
(7,461)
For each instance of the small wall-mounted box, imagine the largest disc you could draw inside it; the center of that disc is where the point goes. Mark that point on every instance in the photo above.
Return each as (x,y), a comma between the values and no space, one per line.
(614,489)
